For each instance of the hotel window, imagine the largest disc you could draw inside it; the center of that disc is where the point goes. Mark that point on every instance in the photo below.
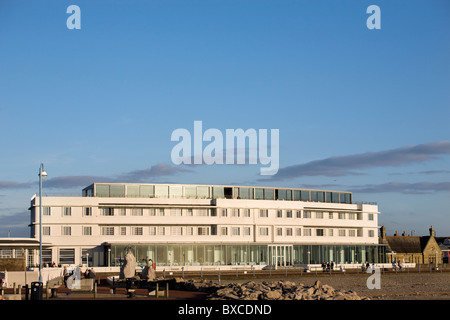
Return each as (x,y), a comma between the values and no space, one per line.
(67,256)
(177,231)
(319,215)
(46,211)
(223,212)
(218,193)
(371,233)
(341,232)
(137,231)
(107,211)
(202,192)
(117,191)
(269,194)
(341,215)
(152,212)
(87,212)
(108,231)
(235,231)
(289,232)
(224,231)
(320,232)
(246,193)
(190,231)
(160,212)
(176,212)
(175,192)
(352,216)
(137,212)
(263,213)
(307,232)
(146,191)
(370,216)
(259,194)
(263,231)
(304,195)
(235,213)
(299,214)
(330,232)
(246,213)
(87,231)
(122,211)
(189,212)
(289,214)
(351,233)
(45,231)
(298,232)
(335,197)
(67,211)
(359,233)
(161,231)
(123,231)
(279,231)
(132,191)
(345,198)
(279,213)
(330,215)
(203,231)
(153,231)
(246,231)
(307,214)
(282,194)
(162,192)
(190,192)
(202,212)
(66,231)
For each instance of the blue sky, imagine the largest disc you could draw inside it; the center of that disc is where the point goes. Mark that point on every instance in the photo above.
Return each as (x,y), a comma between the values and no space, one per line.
(357,109)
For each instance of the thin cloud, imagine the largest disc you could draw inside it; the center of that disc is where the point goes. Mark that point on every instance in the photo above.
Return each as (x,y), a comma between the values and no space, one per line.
(156,171)
(346,165)
(67,182)
(427,172)
(15,225)
(16,185)
(403,187)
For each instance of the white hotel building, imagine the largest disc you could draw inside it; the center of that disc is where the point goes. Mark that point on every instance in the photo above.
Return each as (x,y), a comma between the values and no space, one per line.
(205,225)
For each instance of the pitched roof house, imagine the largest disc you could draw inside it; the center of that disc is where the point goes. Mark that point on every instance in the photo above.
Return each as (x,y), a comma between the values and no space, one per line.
(414,249)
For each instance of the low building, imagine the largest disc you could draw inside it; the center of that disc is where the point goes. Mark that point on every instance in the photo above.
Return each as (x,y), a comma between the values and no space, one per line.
(444,245)
(412,249)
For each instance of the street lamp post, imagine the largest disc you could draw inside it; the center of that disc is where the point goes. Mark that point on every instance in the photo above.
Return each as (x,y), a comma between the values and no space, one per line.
(42,176)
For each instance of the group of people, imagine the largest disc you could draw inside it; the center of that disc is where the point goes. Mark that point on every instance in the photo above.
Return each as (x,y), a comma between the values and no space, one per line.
(327,266)
(366,266)
(397,265)
(88,274)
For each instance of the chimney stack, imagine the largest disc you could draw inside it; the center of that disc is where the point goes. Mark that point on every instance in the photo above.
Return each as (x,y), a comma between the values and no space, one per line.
(383,232)
(431,231)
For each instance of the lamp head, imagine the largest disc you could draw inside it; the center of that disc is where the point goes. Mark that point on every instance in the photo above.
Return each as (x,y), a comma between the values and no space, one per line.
(43,174)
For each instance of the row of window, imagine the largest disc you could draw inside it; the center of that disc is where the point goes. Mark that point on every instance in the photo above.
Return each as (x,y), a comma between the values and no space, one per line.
(224,212)
(214,192)
(213,230)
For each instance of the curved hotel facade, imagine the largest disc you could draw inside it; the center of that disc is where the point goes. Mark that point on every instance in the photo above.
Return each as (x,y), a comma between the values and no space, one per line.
(206,225)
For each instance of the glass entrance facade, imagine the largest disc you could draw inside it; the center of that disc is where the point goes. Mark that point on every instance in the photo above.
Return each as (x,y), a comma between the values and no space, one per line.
(228,254)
